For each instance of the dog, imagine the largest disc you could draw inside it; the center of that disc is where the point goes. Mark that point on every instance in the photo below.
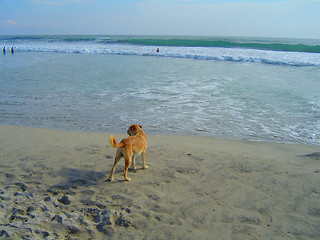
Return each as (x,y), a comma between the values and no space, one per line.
(130,146)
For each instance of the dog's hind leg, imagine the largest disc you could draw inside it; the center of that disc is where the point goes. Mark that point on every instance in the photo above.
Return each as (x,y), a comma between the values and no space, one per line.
(127,159)
(116,160)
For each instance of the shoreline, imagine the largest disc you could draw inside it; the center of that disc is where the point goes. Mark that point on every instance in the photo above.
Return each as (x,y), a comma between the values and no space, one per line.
(117,132)
(53,185)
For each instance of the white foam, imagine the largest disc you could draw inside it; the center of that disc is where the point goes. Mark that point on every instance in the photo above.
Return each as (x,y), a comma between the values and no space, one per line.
(201,53)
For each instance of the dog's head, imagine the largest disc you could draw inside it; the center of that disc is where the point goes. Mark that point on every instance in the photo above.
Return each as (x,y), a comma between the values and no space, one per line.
(134,129)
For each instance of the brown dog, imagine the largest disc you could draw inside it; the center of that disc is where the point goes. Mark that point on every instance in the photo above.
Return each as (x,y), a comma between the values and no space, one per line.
(135,144)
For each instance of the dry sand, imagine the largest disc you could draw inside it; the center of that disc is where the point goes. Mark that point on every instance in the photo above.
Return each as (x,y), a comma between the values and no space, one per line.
(53,186)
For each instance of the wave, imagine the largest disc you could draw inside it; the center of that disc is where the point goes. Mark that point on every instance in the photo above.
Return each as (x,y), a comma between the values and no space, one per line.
(287,45)
(271,46)
(268,51)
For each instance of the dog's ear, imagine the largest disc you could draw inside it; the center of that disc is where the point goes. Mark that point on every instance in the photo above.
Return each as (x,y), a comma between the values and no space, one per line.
(132,127)
(140,126)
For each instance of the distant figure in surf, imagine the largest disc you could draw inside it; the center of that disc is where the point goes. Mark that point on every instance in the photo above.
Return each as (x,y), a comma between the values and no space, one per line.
(4,50)
(12,51)
(158,50)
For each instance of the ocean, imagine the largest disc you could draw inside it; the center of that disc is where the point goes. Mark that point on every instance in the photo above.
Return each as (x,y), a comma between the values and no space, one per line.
(258,89)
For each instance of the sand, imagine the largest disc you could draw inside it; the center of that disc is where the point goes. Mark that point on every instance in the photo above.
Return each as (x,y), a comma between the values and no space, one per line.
(53,186)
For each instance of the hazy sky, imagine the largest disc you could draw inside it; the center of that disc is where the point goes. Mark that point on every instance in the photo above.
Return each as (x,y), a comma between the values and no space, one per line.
(264,18)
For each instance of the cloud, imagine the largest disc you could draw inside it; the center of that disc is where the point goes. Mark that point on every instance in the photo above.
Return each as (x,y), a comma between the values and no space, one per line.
(60,2)
(10,22)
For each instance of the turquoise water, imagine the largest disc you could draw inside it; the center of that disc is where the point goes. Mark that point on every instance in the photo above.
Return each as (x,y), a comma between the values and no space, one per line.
(92,86)
(292,52)
(272,44)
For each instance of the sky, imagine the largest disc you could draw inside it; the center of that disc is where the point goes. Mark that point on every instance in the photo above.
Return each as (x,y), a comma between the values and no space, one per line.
(254,18)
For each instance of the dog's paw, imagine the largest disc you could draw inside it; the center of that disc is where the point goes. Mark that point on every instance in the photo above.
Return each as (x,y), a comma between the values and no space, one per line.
(128,179)
(145,167)
(110,179)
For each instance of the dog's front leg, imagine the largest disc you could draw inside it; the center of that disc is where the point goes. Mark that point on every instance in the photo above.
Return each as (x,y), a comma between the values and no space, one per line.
(145,166)
(133,162)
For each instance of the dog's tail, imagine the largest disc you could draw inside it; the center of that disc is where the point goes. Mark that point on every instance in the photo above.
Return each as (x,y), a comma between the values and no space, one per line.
(113,142)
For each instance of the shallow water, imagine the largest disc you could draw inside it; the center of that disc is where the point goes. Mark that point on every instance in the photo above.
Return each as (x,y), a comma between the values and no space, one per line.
(97,92)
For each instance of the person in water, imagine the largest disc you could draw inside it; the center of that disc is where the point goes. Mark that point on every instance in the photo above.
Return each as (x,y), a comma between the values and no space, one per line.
(4,50)
(12,51)
(158,50)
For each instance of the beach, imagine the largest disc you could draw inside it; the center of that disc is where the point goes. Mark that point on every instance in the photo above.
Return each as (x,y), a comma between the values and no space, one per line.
(54,185)
(233,137)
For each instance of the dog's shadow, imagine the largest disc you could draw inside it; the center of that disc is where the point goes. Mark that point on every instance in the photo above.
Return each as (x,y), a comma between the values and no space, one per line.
(74,177)
(118,174)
